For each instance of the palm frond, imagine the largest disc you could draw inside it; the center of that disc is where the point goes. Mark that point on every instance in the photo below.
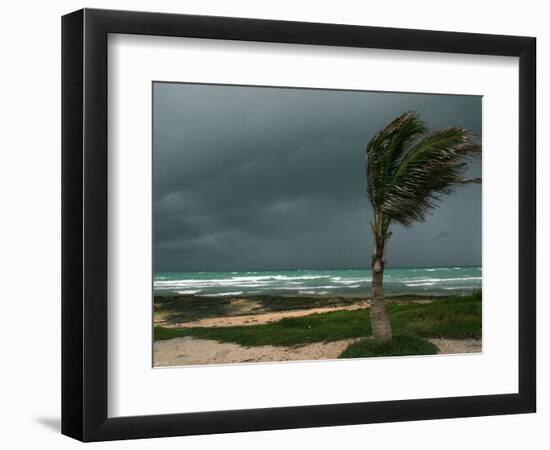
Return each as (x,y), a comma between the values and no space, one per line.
(420,173)
(385,150)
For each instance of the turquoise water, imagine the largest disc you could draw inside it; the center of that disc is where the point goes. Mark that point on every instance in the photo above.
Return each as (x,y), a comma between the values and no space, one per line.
(349,282)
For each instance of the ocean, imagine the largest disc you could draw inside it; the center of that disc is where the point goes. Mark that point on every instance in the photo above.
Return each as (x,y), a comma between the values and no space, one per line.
(348,282)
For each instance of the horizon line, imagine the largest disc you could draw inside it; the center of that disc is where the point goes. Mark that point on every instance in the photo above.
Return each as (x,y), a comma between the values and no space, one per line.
(327,269)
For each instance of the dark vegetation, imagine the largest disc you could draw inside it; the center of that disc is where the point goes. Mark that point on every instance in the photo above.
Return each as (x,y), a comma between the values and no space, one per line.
(398,346)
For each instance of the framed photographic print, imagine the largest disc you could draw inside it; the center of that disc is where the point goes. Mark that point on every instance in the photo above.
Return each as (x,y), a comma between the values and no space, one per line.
(273,224)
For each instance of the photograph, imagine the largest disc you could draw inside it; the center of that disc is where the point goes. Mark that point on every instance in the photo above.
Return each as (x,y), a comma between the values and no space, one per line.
(300,224)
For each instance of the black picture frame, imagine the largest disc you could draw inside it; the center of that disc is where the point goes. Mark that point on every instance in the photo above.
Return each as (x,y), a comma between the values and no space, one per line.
(84,224)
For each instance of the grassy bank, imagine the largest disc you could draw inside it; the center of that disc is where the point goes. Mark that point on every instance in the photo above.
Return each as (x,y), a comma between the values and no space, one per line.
(453,317)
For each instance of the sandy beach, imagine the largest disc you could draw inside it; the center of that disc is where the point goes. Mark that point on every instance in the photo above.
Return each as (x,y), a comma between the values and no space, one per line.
(191,351)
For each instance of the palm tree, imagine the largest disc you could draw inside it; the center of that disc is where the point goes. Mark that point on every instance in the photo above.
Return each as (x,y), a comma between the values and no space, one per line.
(409,170)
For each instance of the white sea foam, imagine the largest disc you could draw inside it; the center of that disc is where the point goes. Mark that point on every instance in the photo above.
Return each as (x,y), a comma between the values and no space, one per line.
(327,287)
(223,294)
(461,288)
(438,280)
(355,280)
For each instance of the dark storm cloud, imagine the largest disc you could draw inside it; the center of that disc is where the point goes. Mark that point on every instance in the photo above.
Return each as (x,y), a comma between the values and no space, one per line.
(442,235)
(267,178)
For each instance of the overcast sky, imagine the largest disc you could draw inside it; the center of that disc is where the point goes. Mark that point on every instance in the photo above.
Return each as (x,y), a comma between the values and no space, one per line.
(258,178)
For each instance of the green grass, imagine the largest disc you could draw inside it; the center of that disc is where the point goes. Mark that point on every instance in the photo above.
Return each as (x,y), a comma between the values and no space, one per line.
(453,317)
(398,346)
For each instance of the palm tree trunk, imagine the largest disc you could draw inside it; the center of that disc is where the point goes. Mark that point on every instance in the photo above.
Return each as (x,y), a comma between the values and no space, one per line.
(380,322)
